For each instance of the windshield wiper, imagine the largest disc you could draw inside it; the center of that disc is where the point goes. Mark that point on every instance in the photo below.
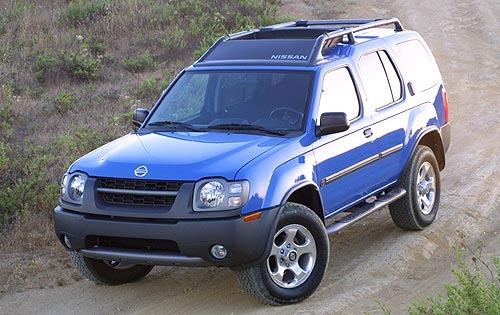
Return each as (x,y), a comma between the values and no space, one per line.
(174,124)
(247,127)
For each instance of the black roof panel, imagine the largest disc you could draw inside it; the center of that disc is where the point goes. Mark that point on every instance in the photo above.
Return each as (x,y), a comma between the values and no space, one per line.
(298,43)
(263,49)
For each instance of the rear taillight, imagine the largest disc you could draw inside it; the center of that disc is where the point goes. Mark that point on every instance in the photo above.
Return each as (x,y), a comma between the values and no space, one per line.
(445,106)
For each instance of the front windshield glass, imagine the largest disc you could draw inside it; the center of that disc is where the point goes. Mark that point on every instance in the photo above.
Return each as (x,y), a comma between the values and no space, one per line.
(250,100)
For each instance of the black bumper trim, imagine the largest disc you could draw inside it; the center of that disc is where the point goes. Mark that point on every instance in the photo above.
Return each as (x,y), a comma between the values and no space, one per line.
(246,242)
(446,136)
(144,257)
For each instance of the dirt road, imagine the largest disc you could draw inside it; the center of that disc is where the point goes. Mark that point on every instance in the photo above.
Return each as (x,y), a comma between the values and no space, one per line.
(372,260)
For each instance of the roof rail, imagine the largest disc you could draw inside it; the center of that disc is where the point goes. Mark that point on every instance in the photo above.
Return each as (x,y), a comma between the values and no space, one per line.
(327,40)
(324,33)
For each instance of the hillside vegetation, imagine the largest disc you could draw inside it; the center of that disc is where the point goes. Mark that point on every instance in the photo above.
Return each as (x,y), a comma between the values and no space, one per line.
(71,73)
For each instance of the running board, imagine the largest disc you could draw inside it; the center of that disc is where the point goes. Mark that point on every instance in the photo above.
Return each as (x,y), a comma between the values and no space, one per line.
(365,210)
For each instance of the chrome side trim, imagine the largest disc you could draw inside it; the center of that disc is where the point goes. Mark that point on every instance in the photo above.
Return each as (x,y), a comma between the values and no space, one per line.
(392,150)
(360,164)
(137,192)
(348,170)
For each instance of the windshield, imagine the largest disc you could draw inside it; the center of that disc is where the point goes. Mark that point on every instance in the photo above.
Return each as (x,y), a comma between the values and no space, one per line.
(230,100)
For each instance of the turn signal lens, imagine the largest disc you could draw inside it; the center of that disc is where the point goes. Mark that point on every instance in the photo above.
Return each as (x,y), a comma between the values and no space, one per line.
(252,217)
(446,106)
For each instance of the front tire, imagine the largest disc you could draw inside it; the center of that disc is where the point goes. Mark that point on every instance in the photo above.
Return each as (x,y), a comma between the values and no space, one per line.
(418,208)
(297,261)
(110,273)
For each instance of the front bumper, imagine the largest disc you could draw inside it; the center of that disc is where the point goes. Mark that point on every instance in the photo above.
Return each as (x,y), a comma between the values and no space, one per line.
(246,242)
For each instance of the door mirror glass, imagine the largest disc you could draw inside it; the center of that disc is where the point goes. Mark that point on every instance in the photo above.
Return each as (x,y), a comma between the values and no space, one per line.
(332,123)
(139,116)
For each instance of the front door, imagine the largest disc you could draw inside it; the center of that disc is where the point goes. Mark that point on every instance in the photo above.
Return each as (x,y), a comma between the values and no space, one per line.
(344,161)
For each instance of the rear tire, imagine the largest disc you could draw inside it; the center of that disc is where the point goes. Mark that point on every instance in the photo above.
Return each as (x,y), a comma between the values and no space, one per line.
(418,208)
(291,273)
(104,273)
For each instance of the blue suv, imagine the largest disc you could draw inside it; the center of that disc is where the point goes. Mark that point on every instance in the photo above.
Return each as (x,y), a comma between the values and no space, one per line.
(274,139)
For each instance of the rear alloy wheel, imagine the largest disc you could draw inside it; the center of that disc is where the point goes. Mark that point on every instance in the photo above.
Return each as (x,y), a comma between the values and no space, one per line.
(426,187)
(418,208)
(297,260)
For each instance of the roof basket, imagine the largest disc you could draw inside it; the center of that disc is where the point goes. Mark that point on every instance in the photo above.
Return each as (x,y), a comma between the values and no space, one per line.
(300,42)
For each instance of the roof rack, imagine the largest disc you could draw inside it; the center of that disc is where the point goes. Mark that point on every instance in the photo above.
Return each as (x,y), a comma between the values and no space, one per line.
(322,34)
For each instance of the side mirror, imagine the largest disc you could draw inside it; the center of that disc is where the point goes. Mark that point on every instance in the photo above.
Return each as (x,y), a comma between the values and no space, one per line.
(140,115)
(332,123)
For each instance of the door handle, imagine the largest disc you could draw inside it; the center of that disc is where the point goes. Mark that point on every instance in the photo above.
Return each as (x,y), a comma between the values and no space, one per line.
(368,132)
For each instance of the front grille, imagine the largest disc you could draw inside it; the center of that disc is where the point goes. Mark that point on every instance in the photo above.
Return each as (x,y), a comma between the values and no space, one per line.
(139,184)
(138,192)
(125,199)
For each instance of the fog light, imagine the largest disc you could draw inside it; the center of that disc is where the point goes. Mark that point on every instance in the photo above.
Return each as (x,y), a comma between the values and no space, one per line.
(67,242)
(218,251)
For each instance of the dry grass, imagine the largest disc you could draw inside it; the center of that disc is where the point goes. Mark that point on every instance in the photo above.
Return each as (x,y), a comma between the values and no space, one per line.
(71,73)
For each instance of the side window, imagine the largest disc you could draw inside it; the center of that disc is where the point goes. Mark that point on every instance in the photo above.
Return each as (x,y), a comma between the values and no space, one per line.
(392,75)
(377,88)
(418,63)
(339,94)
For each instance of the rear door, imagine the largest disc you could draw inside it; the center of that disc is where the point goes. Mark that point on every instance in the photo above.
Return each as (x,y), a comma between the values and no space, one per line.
(384,99)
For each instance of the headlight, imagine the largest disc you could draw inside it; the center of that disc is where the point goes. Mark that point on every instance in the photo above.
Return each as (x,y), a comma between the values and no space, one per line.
(219,194)
(72,187)
(212,194)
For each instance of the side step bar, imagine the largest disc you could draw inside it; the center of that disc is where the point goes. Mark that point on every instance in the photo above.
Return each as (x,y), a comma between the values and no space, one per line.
(161,258)
(365,210)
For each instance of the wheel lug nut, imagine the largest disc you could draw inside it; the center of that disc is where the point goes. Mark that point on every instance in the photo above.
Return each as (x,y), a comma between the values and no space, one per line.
(282,251)
(288,246)
(287,264)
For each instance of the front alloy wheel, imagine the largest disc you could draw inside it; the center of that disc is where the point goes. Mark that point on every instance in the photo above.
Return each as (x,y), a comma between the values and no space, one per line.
(297,260)
(292,257)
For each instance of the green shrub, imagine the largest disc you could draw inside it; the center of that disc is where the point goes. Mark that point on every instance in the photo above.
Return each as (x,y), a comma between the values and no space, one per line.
(30,182)
(65,101)
(96,45)
(473,293)
(148,89)
(139,64)
(83,11)
(6,112)
(151,89)
(46,66)
(4,158)
(175,41)
(27,186)
(83,66)
(80,142)
(3,23)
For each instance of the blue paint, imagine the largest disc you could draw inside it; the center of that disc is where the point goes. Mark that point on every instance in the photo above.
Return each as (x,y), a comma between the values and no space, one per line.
(274,165)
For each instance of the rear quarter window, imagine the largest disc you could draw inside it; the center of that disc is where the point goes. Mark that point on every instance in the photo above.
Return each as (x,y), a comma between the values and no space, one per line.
(420,68)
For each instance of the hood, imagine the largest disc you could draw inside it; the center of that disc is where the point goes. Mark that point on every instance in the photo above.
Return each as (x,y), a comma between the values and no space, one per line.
(176,156)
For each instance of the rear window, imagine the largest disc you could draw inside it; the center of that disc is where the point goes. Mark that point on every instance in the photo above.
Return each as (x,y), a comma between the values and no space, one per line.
(419,65)
(377,88)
